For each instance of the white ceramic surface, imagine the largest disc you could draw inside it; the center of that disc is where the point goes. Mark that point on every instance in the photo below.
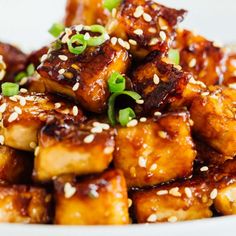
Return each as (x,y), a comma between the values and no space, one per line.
(25,23)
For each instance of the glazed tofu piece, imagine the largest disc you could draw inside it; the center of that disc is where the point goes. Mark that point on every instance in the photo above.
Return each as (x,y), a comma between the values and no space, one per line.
(86,12)
(66,147)
(214,119)
(230,72)
(181,201)
(14,59)
(15,166)
(146,25)
(155,151)
(83,77)
(24,204)
(100,200)
(200,56)
(24,114)
(161,84)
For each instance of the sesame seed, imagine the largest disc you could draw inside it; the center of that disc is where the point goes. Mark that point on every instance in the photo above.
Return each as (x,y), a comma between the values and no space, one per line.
(213,194)
(14,99)
(172,219)
(22,101)
(13,117)
(2,139)
(162,35)
(153,41)
(142,162)
(36,151)
(153,167)
(204,94)
(157,113)
(75,87)
(97,130)
(162,192)
(75,110)
(108,150)
(130,202)
(23,90)
(192,63)
(89,138)
(140,101)
(18,110)
(138,32)
(126,45)
(143,119)
(114,40)
(33,145)
(152,218)
(204,168)
(87,36)
(61,71)
(175,192)
(44,57)
(156,79)
(132,123)
(138,12)
(69,190)
(102,125)
(132,42)
(3,108)
(152,30)
(63,57)
(188,192)
(57,105)
(78,28)
(23,81)
(162,134)
(147,17)
(164,27)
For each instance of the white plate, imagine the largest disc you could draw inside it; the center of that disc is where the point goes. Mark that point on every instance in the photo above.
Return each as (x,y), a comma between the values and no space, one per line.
(25,22)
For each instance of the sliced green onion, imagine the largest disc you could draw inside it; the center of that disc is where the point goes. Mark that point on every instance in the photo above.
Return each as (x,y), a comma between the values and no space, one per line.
(97,40)
(56,29)
(126,115)
(116,82)
(173,56)
(30,69)
(110,4)
(10,89)
(111,103)
(20,76)
(78,39)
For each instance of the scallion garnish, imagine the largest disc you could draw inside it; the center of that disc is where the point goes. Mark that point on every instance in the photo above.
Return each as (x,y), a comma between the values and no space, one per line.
(30,69)
(97,40)
(111,103)
(173,56)
(126,115)
(79,40)
(29,72)
(56,29)
(110,4)
(116,82)
(20,76)
(10,89)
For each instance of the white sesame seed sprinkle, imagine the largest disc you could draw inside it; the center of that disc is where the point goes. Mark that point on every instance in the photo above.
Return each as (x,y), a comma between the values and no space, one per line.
(18,110)
(213,194)
(138,12)
(152,30)
(132,123)
(132,42)
(188,192)
(156,79)
(153,41)
(3,108)
(22,101)
(204,168)
(57,105)
(89,138)
(138,32)
(13,117)
(75,87)
(14,99)
(114,40)
(162,35)
(2,139)
(142,162)
(162,134)
(69,190)
(23,81)
(143,119)
(157,113)
(61,71)
(44,57)
(23,90)
(153,167)
(78,28)
(140,101)
(175,192)
(75,111)
(147,17)
(96,130)
(192,63)
(152,218)
(63,57)
(108,150)
(162,192)
(232,85)
(87,36)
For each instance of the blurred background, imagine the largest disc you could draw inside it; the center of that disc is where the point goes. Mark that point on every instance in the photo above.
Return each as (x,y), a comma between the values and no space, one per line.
(25,22)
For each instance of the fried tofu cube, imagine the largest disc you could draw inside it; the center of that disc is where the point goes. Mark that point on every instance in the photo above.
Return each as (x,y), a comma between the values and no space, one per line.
(68,148)
(181,201)
(100,200)
(214,119)
(14,59)
(15,166)
(83,77)
(200,56)
(85,12)
(146,25)
(24,204)
(155,151)
(24,114)
(159,83)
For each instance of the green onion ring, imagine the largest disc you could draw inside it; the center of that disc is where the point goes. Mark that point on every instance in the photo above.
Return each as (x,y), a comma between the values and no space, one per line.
(77,38)
(10,89)
(116,83)
(125,115)
(97,40)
